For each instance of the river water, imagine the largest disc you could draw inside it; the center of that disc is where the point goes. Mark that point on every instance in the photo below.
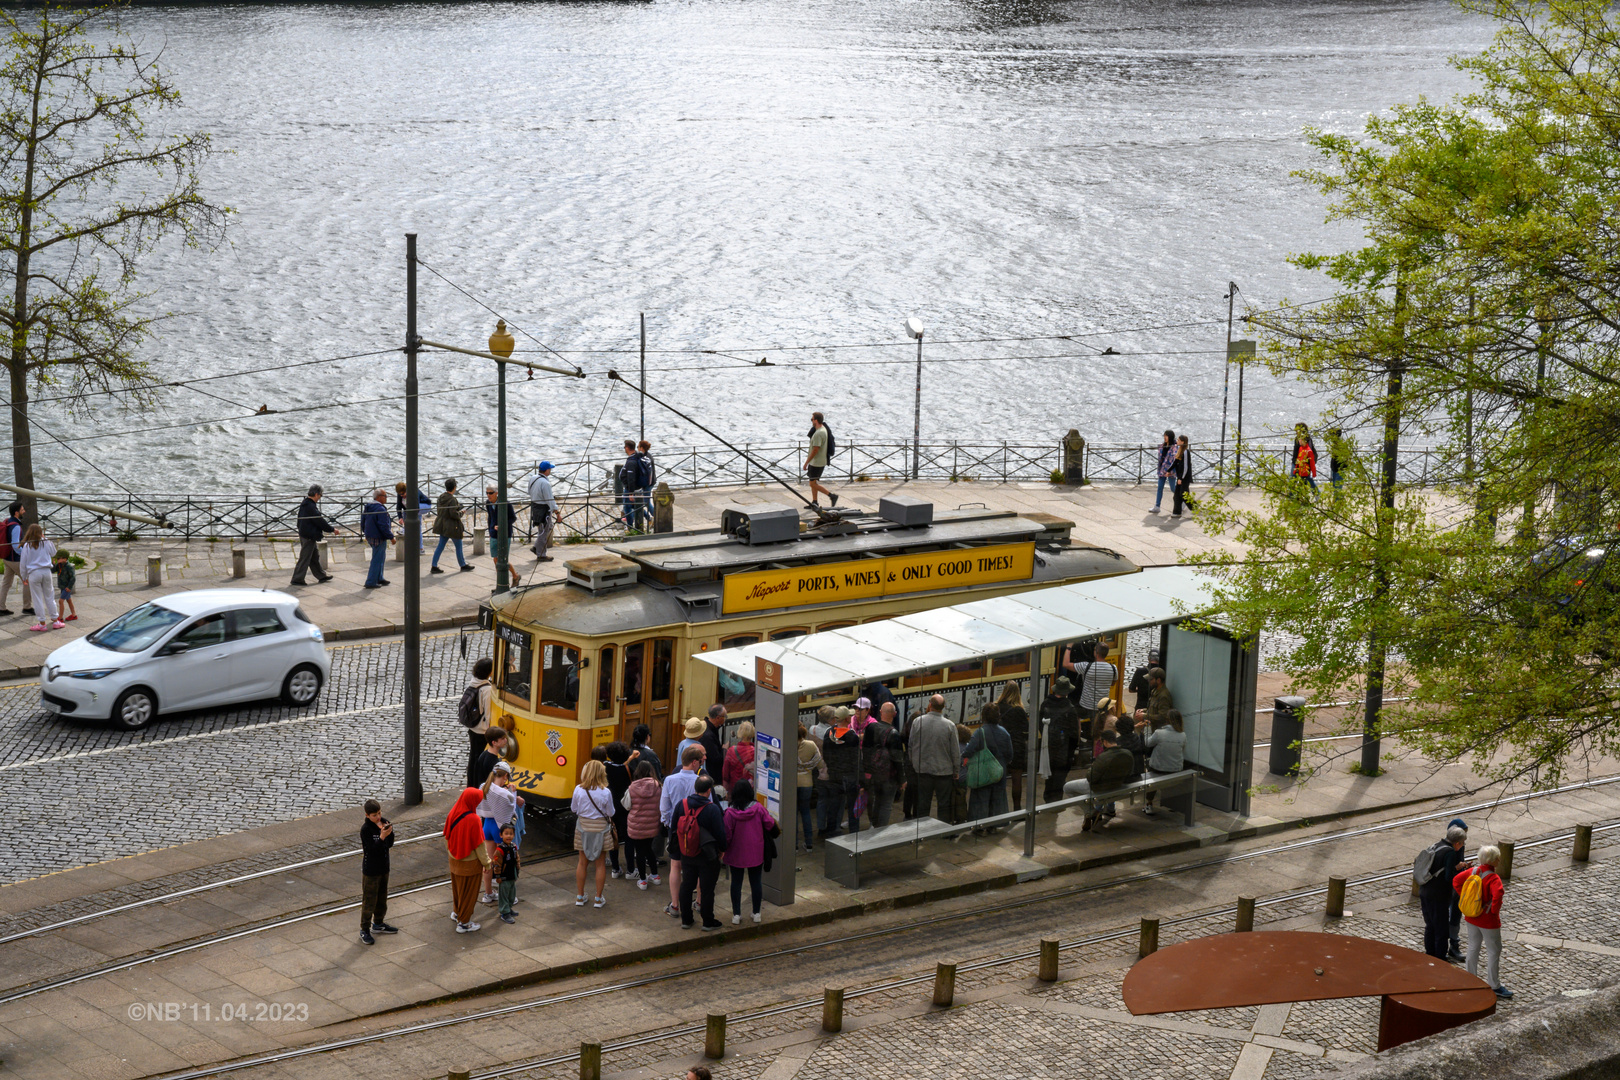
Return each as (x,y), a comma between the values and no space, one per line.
(754,175)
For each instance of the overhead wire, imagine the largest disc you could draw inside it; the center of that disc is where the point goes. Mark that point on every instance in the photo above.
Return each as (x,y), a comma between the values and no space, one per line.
(183,383)
(492,311)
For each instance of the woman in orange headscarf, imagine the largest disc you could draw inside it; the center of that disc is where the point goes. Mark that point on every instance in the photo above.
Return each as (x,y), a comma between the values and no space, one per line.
(464,840)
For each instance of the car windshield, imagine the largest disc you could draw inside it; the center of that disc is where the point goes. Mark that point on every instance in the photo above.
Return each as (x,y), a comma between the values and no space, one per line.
(135,630)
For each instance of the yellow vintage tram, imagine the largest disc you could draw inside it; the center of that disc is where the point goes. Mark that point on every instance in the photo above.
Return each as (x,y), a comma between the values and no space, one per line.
(582,661)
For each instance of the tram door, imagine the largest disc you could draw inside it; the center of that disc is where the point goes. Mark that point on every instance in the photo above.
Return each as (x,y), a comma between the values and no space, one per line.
(645,691)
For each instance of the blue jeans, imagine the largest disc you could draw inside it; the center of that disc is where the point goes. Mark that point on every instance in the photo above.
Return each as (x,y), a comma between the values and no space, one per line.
(644,507)
(379,553)
(807,816)
(1158,500)
(456,540)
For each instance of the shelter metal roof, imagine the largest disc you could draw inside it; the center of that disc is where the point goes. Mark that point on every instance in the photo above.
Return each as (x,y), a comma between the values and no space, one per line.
(953,635)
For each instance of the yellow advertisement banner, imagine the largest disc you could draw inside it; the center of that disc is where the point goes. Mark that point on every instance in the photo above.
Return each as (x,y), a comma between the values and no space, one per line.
(863,579)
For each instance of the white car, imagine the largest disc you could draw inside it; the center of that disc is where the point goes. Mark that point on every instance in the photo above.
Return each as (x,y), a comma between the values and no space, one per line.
(190,650)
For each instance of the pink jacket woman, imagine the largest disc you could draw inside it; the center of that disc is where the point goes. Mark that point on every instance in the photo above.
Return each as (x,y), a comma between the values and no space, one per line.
(745,835)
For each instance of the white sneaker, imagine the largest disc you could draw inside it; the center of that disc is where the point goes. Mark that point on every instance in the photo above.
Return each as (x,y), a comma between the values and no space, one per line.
(467,927)
(579,901)
(756,916)
(487,898)
(617,874)
(642,884)
(736,920)
(601,901)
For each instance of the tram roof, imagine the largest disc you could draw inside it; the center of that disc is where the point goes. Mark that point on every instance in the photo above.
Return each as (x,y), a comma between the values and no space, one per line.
(998,626)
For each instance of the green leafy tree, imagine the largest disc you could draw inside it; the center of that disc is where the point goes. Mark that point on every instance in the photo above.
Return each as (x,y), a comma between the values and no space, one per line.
(91,179)
(1481,318)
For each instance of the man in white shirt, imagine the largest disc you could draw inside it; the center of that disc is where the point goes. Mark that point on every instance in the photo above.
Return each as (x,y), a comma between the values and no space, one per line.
(542,510)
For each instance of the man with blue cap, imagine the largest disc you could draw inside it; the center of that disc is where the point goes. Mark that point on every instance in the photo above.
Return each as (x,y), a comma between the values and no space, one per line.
(543,510)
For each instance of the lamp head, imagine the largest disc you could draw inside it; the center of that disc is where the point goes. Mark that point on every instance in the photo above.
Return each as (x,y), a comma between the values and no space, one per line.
(914,329)
(500,342)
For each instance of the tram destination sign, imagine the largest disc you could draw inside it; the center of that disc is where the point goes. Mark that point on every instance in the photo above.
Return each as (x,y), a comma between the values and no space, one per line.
(864,579)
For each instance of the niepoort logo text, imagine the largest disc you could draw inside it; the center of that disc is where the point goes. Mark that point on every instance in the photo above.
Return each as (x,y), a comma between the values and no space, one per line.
(768,588)
(862,579)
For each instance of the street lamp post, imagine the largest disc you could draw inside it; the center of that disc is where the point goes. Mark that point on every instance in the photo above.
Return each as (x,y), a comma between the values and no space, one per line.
(914,328)
(501,344)
(1226,382)
(413,555)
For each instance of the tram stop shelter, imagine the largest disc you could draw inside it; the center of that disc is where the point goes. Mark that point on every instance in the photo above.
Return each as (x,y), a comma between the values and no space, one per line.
(1209,672)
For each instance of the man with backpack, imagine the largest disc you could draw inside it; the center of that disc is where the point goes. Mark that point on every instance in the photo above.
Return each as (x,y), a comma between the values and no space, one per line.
(881,754)
(822,448)
(11,534)
(677,787)
(649,477)
(700,837)
(628,485)
(1479,895)
(1433,871)
(473,712)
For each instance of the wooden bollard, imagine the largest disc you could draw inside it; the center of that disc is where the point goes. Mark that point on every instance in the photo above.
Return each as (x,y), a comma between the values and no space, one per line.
(714,1037)
(1583,843)
(944,984)
(154,569)
(1149,944)
(1335,898)
(459,1074)
(832,1009)
(590,1061)
(1048,971)
(1504,869)
(1245,914)
(238,562)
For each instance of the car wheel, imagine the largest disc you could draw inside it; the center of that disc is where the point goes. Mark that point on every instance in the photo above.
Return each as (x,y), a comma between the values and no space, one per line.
(302,685)
(134,709)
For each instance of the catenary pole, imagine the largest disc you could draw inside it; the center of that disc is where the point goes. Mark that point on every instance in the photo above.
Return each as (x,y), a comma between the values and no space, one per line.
(643,434)
(503,541)
(1226,383)
(413,555)
(916,416)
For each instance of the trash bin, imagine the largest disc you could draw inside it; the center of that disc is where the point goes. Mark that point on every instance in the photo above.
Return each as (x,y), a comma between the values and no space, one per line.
(1287,729)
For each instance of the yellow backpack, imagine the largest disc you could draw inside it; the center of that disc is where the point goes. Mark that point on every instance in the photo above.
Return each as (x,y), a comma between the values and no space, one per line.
(1471,899)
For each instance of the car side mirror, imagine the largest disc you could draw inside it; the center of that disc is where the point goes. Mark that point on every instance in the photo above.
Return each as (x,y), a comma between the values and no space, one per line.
(173,648)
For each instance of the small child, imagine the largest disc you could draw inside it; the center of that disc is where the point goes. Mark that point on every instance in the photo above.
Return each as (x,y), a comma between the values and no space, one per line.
(66,576)
(376,837)
(505,865)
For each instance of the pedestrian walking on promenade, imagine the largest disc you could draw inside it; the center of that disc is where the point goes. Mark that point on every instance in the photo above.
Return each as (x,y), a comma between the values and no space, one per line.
(677,787)
(376,838)
(881,755)
(1183,472)
(1111,769)
(66,579)
(841,750)
(714,752)
(593,829)
(1433,871)
(377,528)
(700,835)
(464,841)
(1165,465)
(1166,747)
(473,712)
(1304,455)
(749,827)
(493,753)
(649,478)
(816,461)
(1015,721)
(1139,684)
(496,530)
(543,510)
(11,541)
(448,526)
(499,806)
(1479,895)
(1060,728)
(936,757)
(810,764)
(423,505)
(984,765)
(739,761)
(640,803)
(505,863)
(1338,456)
(313,526)
(38,558)
(631,479)
(619,757)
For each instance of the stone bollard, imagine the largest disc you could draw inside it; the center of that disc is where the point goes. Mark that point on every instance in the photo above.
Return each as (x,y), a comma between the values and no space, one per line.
(154,569)
(944,984)
(1505,869)
(663,508)
(323,552)
(1245,914)
(238,562)
(832,1009)
(1048,971)
(1583,843)
(1335,898)
(478,543)
(399,549)
(590,1061)
(714,1037)
(1149,943)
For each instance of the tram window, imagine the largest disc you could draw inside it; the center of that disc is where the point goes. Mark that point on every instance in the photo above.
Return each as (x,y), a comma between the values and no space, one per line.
(517,666)
(1011,664)
(604,683)
(784,635)
(633,656)
(833,626)
(559,679)
(924,678)
(965,672)
(663,664)
(735,692)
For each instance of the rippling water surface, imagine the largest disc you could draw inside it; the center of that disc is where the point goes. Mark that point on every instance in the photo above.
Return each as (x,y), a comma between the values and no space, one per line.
(752,174)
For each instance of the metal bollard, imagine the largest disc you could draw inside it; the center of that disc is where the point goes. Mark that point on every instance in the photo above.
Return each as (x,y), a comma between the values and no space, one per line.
(238,562)
(944,984)
(714,1037)
(590,1061)
(832,1009)
(1049,960)
(1335,898)
(1245,914)
(154,569)
(1583,843)
(478,542)
(1505,869)
(1149,943)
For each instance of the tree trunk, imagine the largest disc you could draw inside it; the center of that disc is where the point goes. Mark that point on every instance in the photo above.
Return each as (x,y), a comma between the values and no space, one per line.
(1377,652)
(22,446)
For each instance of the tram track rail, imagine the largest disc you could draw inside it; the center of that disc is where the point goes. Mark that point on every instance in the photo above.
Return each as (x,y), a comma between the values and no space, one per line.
(423,1027)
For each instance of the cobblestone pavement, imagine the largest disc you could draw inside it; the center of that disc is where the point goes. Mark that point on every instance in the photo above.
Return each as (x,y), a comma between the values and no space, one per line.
(78,792)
